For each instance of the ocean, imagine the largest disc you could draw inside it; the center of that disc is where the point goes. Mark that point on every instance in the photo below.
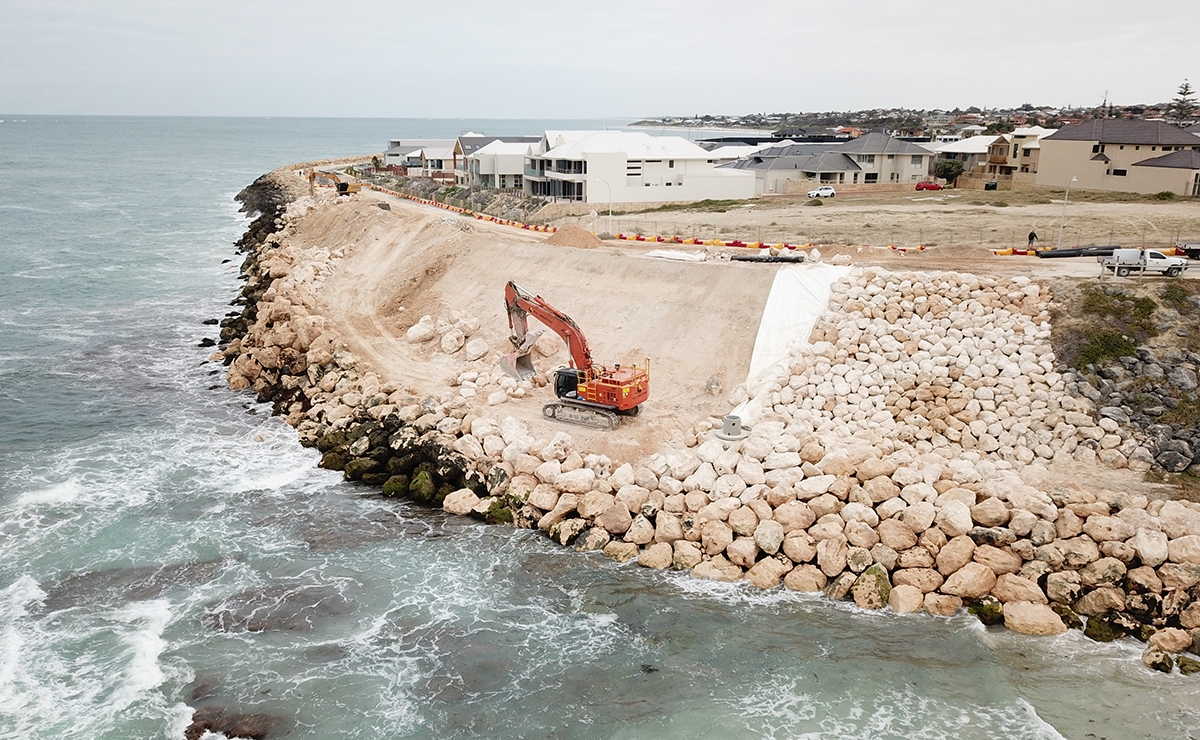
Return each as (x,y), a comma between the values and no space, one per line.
(166,545)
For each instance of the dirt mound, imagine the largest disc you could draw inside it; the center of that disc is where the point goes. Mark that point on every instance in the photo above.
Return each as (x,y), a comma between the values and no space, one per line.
(574,236)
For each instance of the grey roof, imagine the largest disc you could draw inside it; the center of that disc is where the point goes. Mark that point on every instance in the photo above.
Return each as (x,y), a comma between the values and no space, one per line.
(1193,129)
(472,144)
(829,162)
(1186,159)
(880,143)
(826,161)
(1125,131)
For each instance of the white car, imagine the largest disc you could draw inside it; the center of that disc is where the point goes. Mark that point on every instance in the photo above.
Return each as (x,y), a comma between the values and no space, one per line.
(822,192)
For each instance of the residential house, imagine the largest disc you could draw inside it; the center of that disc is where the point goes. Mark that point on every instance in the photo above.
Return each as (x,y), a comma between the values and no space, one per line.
(437,163)
(402,154)
(1124,155)
(627,167)
(972,152)
(499,164)
(471,142)
(885,160)
(1025,148)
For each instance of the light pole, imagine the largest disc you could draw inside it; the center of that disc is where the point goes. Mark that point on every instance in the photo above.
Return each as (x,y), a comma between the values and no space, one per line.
(1063,222)
(609,189)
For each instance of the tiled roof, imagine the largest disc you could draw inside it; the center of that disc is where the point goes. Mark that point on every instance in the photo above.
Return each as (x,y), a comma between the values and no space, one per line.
(1126,131)
(1186,159)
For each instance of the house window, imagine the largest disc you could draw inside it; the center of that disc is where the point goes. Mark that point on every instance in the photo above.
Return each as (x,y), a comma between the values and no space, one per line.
(670,163)
(865,158)
(918,160)
(895,177)
(1096,148)
(891,157)
(1119,173)
(870,178)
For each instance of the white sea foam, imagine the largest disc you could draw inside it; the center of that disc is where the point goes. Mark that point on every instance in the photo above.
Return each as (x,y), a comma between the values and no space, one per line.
(142,673)
(62,493)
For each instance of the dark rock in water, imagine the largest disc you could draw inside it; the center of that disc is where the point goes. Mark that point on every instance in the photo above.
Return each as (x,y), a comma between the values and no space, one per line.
(250,726)
(1158,660)
(130,584)
(1145,608)
(988,610)
(334,460)
(1069,617)
(1187,666)
(397,485)
(204,685)
(210,322)
(207,342)
(356,467)
(1102,629)
(288,608)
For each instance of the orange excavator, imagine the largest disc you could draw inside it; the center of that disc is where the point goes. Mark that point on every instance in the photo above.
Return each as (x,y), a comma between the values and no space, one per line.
(588,394)
(343,188)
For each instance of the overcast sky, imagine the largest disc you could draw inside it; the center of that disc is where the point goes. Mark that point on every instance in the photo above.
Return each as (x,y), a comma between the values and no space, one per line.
(584,59)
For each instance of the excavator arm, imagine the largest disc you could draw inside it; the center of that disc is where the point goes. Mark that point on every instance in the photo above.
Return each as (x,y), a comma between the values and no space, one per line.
(521,305)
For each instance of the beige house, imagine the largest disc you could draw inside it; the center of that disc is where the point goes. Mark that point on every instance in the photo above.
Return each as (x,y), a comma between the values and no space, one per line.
(1130,156)
(882,159)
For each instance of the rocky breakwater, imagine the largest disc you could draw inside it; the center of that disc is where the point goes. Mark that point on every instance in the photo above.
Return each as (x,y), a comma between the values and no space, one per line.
(901,461)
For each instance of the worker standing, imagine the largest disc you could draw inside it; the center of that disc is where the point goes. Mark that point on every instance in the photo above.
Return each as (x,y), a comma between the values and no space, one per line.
(1032,238)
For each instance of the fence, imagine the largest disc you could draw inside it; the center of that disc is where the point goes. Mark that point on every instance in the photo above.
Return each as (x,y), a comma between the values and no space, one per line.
(885,234)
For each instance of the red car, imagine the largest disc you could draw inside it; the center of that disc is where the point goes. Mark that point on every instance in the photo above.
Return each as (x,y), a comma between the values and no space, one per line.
(928,185)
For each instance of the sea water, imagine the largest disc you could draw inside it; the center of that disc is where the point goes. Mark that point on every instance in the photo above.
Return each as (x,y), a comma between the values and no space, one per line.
(165,544)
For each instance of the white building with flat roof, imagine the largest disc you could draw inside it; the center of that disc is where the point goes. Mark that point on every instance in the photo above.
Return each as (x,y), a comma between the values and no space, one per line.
(499,164)
(627,167)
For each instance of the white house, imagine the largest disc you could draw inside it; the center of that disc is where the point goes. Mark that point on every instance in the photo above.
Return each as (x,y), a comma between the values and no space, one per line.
(406,152)
(498,164)
(627,167)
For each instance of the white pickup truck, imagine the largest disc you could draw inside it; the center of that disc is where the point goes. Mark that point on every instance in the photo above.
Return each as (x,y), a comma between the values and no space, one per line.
(1127,261)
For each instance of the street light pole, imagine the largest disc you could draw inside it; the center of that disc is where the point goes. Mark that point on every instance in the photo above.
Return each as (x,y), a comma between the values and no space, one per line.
(609,189)
(1063,222)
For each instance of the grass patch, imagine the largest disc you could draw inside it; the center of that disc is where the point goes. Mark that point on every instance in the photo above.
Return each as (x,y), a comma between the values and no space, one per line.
(1164,195)
(1113,326)
(708,204)
(1176,296)
(815,202)
(1186,414)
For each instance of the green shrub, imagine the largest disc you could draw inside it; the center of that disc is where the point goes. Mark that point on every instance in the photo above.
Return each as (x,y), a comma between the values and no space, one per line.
(1164,195)
(1104,344)
(815,202)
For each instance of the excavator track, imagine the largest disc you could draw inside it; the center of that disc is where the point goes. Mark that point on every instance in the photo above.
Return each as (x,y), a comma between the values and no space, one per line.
(582,414)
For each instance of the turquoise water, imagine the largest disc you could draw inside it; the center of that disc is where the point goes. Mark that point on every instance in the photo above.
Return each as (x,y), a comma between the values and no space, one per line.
(166,545)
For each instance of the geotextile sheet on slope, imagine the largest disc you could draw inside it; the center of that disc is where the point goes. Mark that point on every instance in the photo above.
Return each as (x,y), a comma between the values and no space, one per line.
(798,296)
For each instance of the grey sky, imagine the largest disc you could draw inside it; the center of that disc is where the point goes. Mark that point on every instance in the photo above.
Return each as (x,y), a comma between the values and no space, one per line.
(572,58)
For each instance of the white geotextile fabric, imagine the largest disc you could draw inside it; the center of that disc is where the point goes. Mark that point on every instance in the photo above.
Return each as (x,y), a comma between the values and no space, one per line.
(798,297)
(670,254)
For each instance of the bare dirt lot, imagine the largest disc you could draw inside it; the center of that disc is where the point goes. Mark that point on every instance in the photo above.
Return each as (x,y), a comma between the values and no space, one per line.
(959,228)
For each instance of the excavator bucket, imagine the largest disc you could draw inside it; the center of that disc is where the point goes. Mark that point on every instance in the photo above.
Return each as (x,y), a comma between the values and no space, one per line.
(517,363)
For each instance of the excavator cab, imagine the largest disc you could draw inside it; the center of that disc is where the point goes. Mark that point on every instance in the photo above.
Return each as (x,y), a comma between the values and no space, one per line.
(566,382)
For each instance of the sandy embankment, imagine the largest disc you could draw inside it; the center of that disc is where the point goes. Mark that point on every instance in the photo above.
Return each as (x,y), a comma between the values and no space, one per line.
(923,455)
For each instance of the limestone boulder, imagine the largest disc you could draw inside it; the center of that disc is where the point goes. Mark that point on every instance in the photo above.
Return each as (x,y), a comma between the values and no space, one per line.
(460,502)
(595,538)
(1184,549)
(941,605)
(1104,572)
(924,580)
(1171,640)
(1107,529)
(972,581)
(1030,618)
(999,560)
(742,552)
(667,527)
(768,535)
(807,578)
(576,481)
(717,569)
(1010,588)
(622,552)
(687,555)
(422,331)
(592,503)
(799,547)
(616,519)
(896,534)
(659,556)
(955,554)
(991,512)
(1151,546)
(1100,601)
(1179,520)
(919,516)
(1064,587)
(954,518)
(767,572)
(905,599)
(640,532)
(565,506)
(715,536)
(832,556)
